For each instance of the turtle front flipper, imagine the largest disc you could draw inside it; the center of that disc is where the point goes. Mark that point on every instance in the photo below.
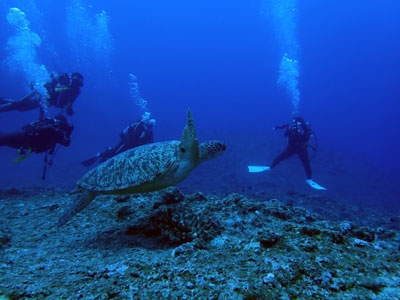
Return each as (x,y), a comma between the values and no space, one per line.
(83,200)
(189,146)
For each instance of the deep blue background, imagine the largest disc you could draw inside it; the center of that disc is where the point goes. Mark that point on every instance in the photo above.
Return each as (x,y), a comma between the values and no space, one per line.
(221,59)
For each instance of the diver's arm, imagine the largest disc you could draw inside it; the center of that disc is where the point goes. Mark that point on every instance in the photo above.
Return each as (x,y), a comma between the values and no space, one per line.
(280,127)
(119,149)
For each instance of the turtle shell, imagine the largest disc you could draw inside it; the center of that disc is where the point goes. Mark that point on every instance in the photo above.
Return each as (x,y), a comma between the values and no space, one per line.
(136,170)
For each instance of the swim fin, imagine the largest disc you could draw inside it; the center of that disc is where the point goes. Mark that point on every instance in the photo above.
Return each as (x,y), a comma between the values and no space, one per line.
(24,155)
(256,169)
(314,185)
(90,161)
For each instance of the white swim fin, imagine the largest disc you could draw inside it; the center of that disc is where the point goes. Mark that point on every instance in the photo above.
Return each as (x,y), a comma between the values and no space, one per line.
(255,169)
(314,185)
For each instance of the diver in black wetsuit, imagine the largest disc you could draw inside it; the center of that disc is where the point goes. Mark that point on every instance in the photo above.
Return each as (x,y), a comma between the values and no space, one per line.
(299,134)
(135,134)
(40,136)
(63,89)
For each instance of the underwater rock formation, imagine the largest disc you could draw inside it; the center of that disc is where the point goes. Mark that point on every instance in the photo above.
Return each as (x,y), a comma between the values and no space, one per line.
(167,245)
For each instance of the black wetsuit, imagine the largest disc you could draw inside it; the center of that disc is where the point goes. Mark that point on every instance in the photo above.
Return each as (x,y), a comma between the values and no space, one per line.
(136,134)
(64,95)
(40,136)
(299,136)
(63,91)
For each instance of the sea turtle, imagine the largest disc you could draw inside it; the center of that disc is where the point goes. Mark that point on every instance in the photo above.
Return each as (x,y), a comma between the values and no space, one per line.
(145,168)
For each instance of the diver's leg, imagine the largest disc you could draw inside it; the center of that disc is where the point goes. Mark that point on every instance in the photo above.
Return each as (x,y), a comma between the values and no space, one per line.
(5,101)
(30,102)
(110,152)
(303,155)
(284,155)
(6,105)
(13,140)
(102,156)
(91,160)
(106,155)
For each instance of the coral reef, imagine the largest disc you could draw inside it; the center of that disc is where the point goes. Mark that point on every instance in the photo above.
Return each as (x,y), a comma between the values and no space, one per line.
(167,245)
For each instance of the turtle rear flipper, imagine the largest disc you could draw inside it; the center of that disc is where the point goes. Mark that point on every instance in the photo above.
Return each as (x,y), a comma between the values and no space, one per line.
(83,200)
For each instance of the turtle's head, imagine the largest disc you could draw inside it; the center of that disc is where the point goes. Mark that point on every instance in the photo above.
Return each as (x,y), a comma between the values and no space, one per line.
(211,149)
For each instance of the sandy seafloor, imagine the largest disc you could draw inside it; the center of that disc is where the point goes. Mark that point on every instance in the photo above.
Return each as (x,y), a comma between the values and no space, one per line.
(245,236)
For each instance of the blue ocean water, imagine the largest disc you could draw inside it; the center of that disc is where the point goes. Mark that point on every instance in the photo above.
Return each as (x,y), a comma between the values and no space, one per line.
(223,60)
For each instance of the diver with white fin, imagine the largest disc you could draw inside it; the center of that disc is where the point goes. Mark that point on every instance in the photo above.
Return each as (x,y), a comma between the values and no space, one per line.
(299,134)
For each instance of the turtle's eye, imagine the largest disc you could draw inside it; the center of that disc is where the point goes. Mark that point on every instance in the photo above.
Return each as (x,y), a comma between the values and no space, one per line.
(183,150)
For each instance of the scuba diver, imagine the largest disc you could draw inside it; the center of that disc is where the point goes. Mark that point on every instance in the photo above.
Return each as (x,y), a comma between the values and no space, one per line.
(135,134)
(299,134)
(40,136)
(63,89)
